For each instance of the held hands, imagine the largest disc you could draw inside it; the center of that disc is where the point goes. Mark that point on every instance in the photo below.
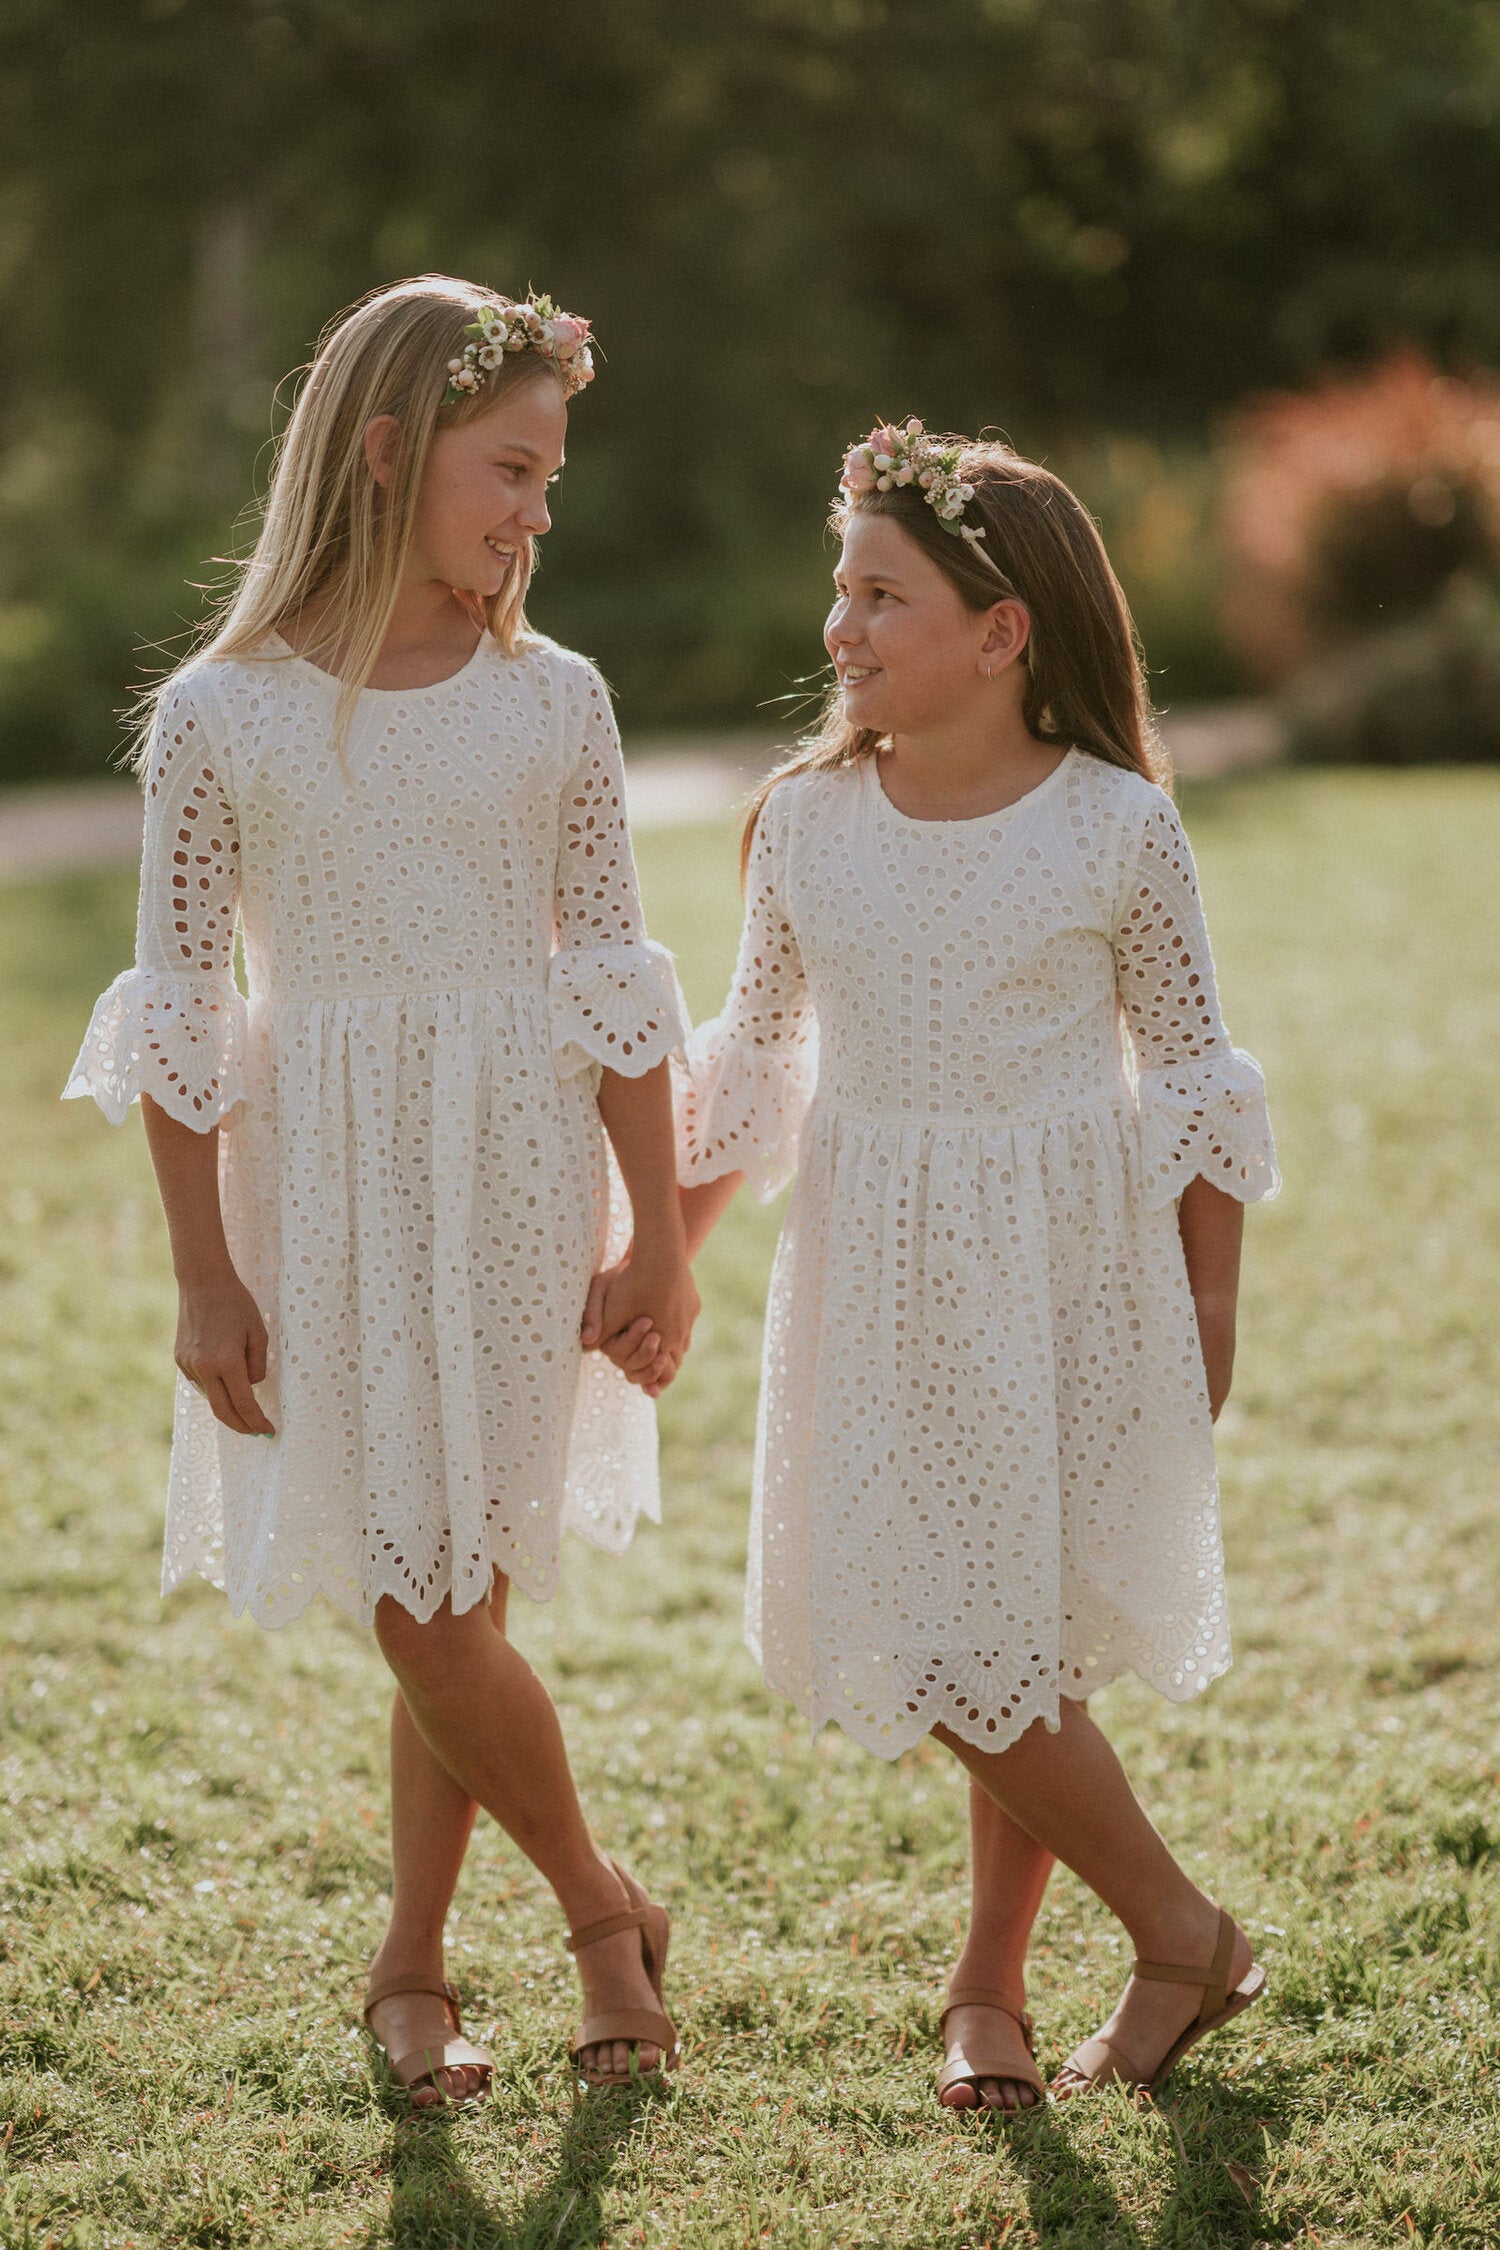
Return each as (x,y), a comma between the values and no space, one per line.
(640,1314)
(221,1349)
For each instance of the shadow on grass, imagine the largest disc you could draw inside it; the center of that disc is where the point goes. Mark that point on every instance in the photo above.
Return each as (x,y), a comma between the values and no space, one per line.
(435,2205)
(1218,2141)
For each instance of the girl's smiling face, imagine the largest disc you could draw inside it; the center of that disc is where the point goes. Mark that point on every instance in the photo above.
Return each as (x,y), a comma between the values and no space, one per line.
(484,488)
(909,652)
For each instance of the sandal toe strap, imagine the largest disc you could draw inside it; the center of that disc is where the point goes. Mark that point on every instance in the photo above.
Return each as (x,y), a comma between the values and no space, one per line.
(390,1987)
(425,2062)
(1099,2061)
(639,2027)
(984,1996)
(968,2069)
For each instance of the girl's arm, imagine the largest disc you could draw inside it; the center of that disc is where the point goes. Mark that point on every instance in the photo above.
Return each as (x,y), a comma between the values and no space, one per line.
(615,1003)
(654,1284)
(751,1073)
(704,1206)
(174,1030)
(1205,1136)
(1212,1227)
(221,1338)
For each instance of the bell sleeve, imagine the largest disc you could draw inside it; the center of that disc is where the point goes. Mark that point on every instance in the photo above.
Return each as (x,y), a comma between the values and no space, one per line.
(753,1069)
(1202,1102)
(613,995)
(176,1025)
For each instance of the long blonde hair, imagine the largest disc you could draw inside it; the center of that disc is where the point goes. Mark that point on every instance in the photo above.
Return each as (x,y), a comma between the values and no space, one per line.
(328,529)
(1086,679)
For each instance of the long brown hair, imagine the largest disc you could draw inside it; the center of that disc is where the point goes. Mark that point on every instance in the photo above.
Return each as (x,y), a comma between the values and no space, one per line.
(328,529)
(1086,679)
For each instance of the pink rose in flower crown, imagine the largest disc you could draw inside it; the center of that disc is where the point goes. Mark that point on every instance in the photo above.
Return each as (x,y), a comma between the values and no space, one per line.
(565,334)
(858,475)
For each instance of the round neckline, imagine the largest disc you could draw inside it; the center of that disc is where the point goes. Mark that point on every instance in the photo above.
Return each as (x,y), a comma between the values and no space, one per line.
(973,820)
(432,687)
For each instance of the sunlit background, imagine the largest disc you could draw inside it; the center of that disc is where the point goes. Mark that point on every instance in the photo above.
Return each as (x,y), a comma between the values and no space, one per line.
(1107,227)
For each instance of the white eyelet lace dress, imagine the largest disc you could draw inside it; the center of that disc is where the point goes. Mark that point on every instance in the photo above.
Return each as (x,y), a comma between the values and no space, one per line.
(985,1469)
(443,941)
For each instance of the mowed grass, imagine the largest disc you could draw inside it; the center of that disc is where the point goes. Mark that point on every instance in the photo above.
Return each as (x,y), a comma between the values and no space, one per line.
(194,1844)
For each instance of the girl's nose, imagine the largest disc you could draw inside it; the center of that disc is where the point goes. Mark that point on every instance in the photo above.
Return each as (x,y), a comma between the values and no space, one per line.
(536,519)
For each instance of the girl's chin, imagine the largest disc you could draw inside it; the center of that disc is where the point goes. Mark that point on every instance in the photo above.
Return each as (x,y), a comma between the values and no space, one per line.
(864,709)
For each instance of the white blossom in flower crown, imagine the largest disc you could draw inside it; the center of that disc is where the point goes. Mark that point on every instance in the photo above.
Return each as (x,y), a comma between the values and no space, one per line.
(895,456)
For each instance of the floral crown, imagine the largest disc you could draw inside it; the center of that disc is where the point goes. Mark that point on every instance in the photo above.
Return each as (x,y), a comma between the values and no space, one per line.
(535,326)
(898,454)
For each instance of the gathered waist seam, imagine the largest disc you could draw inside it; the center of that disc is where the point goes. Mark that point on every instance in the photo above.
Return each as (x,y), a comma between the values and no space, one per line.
(536,994)
(1117,1098)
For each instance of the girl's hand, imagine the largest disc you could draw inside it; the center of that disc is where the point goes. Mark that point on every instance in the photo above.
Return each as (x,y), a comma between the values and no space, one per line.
(221,1349)
(1216,1339)
(640,1315)
(636,1351)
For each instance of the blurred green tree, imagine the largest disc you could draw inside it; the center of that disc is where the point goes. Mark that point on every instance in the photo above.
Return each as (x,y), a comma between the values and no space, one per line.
(1064,217)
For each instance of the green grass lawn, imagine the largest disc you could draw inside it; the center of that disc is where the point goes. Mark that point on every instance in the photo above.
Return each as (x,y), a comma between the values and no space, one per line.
(194,1847)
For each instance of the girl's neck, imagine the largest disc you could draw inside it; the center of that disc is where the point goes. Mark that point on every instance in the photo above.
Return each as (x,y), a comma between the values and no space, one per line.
(431,635)
(966,769)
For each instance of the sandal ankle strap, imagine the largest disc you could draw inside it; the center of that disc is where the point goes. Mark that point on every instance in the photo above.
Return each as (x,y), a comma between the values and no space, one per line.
(632,1918)
(1214,1979)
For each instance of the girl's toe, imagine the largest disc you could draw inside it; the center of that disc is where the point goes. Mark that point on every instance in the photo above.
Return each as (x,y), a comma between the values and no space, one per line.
(958,2097)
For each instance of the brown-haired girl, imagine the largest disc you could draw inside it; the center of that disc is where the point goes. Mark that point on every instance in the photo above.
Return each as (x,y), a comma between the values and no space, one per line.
(1002,1319)
(384,1177)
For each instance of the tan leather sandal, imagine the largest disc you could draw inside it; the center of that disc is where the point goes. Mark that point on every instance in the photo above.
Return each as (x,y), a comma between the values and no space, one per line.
(637,2026)
(969,2068)
(1098,2062)
(420,2066)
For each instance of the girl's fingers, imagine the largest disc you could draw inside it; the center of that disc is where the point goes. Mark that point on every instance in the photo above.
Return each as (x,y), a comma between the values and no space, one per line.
(645,1355)
(624,1347)
(255,1355)
(216,1391)
(234,1403)
(593,1313)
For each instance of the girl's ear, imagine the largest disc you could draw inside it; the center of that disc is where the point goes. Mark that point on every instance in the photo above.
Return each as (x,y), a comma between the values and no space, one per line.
(1008,631)
(380,445)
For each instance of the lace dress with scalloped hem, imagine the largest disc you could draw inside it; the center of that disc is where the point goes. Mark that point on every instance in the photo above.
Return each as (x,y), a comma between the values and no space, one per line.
(991,1050)
(443,943)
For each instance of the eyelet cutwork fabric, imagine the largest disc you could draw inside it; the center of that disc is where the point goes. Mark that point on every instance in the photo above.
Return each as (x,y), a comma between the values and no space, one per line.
(984,1467)
(443,941)
(175,1026)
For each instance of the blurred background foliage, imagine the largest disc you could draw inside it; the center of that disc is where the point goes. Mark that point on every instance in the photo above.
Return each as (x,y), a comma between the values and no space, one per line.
(1100,225)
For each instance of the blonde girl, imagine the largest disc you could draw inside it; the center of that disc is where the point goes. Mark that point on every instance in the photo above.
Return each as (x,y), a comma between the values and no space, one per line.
(1003,1311)
(384,1174)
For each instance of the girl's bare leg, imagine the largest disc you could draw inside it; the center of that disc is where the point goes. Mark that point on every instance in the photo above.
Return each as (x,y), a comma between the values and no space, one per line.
(1068,1792)
(431,1820)
(490,1724)
(1009,1872)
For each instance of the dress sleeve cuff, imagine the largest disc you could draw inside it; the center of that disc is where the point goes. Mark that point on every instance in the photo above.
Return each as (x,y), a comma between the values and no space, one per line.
(742,1107)
(182,1040)
(619,1005)
(1207,1117)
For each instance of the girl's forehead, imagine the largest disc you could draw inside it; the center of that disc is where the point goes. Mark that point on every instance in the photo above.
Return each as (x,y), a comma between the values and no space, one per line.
(877,547)
(533,417)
